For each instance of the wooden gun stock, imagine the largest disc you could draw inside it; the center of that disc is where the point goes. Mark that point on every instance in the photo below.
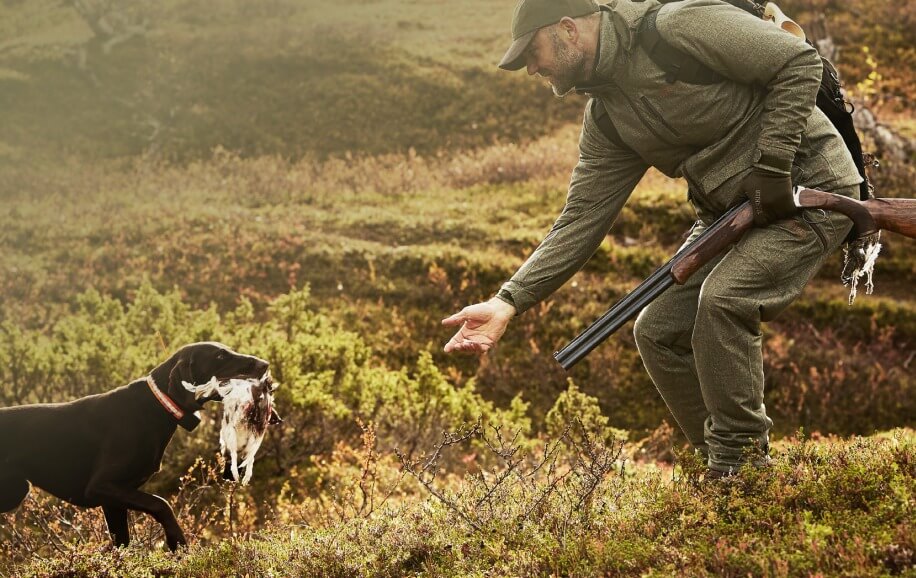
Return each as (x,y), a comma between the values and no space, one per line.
(897,215)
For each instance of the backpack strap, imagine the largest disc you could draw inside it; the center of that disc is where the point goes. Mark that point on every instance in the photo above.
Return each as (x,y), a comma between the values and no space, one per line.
(831,102)
(677,65)
(604,122)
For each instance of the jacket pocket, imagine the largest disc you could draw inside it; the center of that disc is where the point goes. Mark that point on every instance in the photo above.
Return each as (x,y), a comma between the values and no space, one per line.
(722,177)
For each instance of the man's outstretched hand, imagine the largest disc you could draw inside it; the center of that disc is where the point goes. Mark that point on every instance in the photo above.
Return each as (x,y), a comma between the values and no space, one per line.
(481,326)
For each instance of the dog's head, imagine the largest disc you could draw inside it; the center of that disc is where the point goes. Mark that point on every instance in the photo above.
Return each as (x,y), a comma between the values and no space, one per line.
(206,363)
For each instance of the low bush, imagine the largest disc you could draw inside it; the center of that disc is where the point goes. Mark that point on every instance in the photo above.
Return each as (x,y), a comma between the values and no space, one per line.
(564,506)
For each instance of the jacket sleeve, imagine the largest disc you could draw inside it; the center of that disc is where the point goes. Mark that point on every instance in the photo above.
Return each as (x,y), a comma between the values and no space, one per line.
(601,182)
(749,50)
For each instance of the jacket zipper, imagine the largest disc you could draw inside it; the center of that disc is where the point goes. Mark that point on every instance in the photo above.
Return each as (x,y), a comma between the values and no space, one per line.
(658,116)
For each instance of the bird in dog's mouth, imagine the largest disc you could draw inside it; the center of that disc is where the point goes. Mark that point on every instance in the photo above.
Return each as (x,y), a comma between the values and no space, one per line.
(248,408)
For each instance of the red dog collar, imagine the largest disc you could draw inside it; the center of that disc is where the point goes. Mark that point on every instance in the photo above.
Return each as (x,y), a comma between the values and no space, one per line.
(188,421)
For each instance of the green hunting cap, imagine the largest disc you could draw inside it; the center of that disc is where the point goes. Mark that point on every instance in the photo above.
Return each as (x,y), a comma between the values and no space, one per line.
(531,15)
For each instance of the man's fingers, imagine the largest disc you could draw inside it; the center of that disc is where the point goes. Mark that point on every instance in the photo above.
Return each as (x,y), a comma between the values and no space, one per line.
(461,342)
(466,347)
(452,345)
(473,319)
(455,319)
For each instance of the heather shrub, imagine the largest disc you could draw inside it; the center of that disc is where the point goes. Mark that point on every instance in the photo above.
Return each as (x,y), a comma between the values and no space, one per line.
(825,505)
(810,388)
(883,29)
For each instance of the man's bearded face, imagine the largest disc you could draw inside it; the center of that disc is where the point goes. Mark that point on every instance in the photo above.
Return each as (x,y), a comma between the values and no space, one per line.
(568,66)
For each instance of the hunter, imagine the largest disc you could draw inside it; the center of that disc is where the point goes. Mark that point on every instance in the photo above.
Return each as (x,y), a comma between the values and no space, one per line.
(752,133)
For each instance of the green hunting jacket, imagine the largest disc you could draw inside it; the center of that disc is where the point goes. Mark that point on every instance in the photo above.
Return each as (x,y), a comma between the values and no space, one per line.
(711,135)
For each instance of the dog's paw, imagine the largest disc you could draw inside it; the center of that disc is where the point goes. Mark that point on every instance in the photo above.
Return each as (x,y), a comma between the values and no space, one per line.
(177,541)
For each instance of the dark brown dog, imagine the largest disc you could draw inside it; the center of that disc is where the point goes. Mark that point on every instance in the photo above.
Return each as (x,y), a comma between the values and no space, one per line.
(98,450)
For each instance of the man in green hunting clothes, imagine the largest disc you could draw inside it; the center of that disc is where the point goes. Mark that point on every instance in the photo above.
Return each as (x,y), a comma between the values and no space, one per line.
(750,135)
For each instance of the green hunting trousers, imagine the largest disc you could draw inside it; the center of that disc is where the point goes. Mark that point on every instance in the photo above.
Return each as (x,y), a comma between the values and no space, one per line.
(701,341)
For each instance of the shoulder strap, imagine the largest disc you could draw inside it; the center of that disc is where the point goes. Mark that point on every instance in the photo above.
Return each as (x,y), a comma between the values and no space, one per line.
(678,66)
(604,122)
(830,100)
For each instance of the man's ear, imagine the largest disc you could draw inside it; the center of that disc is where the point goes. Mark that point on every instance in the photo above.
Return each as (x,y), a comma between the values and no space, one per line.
(568,29)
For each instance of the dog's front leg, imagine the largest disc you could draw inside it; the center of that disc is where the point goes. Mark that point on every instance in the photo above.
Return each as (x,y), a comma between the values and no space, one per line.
(133,499)
(118,527)
(13,489)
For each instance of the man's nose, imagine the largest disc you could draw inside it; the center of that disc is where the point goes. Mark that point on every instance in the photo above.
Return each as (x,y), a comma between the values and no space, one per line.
(531,66)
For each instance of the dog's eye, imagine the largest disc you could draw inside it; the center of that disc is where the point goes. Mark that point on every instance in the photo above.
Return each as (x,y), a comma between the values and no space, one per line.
(221,355)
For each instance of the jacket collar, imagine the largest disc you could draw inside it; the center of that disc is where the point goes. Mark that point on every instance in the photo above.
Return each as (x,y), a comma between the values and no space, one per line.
(616,39)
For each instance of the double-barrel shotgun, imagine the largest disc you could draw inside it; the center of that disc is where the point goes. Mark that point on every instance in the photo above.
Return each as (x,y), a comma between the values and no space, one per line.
(868,217)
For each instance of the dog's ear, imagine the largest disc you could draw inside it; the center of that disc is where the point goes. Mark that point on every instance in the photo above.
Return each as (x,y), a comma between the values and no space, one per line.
(181,371)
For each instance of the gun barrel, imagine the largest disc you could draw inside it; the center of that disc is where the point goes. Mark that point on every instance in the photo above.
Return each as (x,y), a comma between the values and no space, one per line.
(615,317)
(676,270)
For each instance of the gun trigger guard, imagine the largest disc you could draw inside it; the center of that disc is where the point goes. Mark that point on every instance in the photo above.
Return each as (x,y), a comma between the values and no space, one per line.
(796,191)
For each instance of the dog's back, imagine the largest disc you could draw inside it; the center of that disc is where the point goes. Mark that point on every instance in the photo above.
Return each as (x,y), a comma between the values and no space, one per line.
(58,446)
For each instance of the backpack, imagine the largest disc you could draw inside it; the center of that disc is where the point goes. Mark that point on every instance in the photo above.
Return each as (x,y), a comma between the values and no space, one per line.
(679,66)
